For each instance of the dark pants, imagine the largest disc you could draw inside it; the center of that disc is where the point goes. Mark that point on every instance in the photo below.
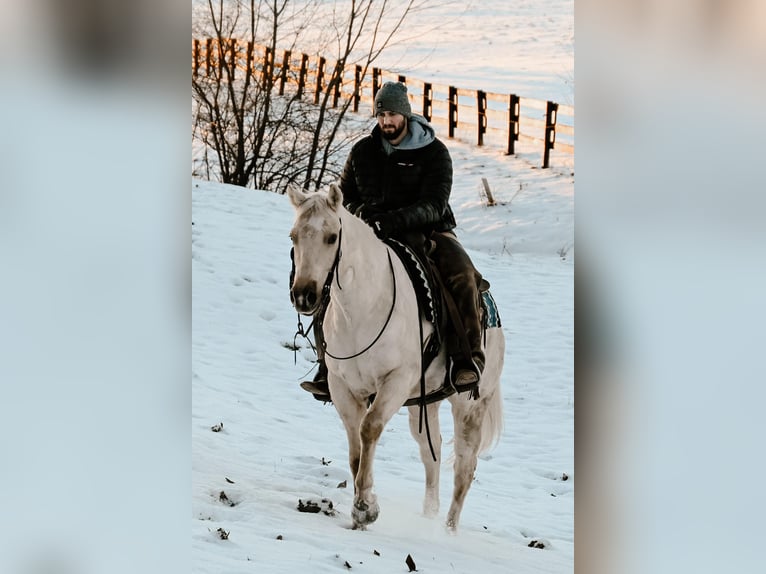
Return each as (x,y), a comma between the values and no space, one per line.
(462,280)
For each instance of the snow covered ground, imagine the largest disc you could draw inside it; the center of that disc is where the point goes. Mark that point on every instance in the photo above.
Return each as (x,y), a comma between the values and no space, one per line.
(275,437)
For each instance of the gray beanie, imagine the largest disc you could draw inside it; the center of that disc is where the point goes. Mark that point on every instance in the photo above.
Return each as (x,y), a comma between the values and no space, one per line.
(392,97)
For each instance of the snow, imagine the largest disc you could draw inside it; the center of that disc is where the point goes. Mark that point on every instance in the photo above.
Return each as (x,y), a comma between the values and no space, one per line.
(276,445)
(275,436)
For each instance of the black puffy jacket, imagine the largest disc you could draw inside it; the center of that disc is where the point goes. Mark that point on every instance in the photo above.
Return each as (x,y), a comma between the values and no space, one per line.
(413,185)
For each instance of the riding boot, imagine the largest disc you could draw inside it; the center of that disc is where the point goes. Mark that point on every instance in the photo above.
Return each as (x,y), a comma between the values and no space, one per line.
(319,386)
(462,281)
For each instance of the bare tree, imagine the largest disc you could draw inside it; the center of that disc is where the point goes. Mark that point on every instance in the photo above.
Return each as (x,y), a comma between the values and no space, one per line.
(249,134)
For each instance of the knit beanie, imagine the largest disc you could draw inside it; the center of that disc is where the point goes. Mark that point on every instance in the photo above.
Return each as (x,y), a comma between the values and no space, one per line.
(392,97)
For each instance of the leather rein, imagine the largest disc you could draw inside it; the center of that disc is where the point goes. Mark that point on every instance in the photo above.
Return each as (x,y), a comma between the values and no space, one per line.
(326,298)
(420,401)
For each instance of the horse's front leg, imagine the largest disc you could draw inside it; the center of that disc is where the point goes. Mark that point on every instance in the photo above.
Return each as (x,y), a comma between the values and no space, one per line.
(366,507)
(432,467)
(351,412)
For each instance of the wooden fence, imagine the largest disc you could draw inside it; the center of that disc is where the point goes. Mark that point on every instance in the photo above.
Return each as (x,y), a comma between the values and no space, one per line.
(485,118)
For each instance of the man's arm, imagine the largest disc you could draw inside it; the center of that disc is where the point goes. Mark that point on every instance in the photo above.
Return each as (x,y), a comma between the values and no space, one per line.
(351,199)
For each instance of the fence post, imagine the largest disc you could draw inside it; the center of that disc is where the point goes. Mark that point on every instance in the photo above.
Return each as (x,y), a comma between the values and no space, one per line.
(196,58)
(375,82)
(481,104)
(249,59)
(488,192)
(221,57)
(428,100)
(551,111)
(302,74)
(338,77)
(208,55)
(284,71)
(513,123)
(357,86)
(268,67)
(320,78)
(452,111)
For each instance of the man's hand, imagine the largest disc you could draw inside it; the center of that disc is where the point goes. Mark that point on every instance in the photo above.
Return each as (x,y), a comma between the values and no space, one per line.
(384,225)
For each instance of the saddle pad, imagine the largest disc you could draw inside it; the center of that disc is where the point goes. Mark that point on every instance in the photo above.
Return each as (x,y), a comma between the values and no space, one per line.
(421,279)
(491,314)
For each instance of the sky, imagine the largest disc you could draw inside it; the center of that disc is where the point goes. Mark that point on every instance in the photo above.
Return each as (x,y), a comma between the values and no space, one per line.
(276,445)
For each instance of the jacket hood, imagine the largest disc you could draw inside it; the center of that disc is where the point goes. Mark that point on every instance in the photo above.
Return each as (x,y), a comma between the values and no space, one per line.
(420,133)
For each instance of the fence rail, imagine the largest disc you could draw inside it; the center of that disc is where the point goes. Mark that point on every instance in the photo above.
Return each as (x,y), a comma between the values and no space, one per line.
(485,118)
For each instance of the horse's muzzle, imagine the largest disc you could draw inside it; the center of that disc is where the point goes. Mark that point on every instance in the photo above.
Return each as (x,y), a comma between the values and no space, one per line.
(305,297)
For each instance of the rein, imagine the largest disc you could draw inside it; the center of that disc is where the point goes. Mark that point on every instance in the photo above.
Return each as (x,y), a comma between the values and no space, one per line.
(326,298)
(420,401)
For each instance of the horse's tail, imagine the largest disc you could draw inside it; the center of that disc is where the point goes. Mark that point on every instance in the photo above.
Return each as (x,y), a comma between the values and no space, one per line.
(492,423)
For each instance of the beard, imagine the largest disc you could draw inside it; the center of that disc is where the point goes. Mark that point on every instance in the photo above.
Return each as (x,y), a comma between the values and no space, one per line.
(392,135)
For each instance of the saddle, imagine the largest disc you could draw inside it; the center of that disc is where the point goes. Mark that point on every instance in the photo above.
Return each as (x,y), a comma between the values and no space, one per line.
(434,301)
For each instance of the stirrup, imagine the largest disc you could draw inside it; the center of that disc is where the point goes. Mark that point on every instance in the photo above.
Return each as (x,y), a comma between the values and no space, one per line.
(465,377)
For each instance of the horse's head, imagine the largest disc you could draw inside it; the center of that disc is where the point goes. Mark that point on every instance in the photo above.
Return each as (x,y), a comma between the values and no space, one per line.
(315,236)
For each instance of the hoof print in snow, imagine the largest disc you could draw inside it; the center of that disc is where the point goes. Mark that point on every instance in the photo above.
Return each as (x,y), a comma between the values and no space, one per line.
(343,484)
(347,565)
(222,534)
(324,506)
(217,428)
(536,544)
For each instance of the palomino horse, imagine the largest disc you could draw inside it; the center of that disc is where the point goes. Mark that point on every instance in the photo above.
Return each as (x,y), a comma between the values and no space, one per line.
(374,347)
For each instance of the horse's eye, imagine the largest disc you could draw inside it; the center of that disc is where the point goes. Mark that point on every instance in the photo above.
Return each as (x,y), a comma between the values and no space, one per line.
(332,238)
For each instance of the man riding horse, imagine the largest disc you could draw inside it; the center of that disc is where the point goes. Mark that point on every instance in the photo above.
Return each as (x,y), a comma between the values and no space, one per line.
(398,180)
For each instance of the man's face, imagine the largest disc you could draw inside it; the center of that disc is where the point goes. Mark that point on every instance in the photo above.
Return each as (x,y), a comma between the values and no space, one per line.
(392,125)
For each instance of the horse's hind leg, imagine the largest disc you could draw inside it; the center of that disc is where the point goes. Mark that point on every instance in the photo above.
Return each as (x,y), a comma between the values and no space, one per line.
(432,467)
(467,441)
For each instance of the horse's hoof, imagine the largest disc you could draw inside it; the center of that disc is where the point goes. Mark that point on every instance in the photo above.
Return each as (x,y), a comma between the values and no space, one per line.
(364,513)
(451,525)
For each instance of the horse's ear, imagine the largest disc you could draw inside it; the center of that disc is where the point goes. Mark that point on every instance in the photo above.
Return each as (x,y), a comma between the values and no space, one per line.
(296,194)
(334,196)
